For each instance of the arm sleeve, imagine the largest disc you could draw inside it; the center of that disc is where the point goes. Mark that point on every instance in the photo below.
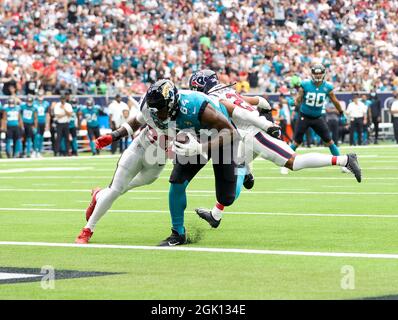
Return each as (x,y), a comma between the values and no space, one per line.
(251,117)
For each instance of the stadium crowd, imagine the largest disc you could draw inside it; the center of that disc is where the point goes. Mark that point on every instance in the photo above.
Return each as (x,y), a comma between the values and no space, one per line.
(107,46)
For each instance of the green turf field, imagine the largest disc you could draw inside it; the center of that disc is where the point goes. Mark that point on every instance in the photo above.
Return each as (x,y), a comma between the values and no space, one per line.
(291,237)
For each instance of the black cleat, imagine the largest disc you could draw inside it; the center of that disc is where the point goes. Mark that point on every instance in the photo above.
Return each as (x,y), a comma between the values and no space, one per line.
(205,214)
(353,166)
(175,239)
(248,183)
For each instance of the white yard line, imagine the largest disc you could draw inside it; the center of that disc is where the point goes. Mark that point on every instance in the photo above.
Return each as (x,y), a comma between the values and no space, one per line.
(339,215)
(212,192)
(281,177)
(24,170)
(37,205)
(209,250)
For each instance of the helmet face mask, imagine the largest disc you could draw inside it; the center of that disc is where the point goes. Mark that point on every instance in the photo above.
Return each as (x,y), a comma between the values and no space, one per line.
(318,73)
(203,80)
(162,100)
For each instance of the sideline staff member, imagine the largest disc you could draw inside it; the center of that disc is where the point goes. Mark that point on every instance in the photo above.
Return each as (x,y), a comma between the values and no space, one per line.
(62,112)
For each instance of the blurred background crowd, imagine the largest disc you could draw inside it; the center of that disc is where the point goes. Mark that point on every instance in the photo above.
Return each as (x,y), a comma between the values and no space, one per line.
(117,48)
(108,46)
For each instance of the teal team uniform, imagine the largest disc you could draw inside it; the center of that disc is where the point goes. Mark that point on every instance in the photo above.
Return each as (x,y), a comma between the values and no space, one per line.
(91,115)
(311,111)
(13,138)
(42,109)
(28,113)
(191,105)
(73,127)
(314,98)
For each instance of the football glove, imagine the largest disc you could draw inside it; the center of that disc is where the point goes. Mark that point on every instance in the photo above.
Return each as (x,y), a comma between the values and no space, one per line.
(103,141)
(189,149)
(274,131)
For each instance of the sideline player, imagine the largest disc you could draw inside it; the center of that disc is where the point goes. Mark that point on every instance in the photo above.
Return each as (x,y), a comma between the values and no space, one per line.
(258,142)
(309,102)
(12,124)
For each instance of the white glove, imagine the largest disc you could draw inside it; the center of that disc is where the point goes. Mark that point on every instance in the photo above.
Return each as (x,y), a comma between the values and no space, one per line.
(189,149)
(263,104)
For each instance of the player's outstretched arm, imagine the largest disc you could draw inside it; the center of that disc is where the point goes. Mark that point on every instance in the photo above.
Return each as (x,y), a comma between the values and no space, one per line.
(299,98)
(258,101)
(238,113)
(335,102)
(127,128)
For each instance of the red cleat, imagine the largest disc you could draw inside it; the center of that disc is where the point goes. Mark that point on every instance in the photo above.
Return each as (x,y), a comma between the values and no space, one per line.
(84,236)
(91,207)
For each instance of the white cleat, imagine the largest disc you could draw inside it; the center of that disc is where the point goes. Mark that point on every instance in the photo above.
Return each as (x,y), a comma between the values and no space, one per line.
(345,170)
(284,170)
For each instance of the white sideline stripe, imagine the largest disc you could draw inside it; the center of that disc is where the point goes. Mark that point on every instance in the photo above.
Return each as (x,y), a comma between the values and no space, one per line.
(290,177)
(210,250)
(359,215)
(23,170)
(59,158)
(211,192)
(9,276)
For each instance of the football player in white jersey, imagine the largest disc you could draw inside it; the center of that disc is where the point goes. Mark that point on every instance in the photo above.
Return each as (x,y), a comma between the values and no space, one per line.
(259,142)
(140,164)
(143,161)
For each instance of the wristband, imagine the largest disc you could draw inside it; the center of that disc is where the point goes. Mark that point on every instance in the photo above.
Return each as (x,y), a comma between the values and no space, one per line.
(115,135)
(128,128)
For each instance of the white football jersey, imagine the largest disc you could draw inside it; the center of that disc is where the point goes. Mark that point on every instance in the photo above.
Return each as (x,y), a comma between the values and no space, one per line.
(151,134)
(232,96)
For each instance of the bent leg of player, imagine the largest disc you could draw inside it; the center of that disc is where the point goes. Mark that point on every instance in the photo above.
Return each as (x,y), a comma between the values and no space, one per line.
(91,139)
(146,176)
(278,152)
(229,179)
(129,165)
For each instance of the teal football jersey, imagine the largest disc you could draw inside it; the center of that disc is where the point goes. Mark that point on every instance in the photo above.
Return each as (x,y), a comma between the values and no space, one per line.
(42,110)
(73,118)
(314,98)
(191,104)
(91,115)
(28,113)
(12,115)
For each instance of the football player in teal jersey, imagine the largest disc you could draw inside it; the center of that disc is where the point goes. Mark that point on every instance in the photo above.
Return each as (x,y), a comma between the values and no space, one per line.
(12,122)
(29,119)
(309,103)
(162,107)
(43,123)
(90,113)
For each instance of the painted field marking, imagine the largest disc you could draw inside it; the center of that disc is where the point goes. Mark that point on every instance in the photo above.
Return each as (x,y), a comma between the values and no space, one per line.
(339,215)
(212,192)
(208,250)
(280,177)
(24,170)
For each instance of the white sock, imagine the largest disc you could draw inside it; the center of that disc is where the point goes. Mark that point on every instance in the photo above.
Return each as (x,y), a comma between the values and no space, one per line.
(105,199)
(217,211)
(317,160)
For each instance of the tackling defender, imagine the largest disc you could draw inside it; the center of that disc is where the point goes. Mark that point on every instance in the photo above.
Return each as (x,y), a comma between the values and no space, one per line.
(161,105)
(260,142)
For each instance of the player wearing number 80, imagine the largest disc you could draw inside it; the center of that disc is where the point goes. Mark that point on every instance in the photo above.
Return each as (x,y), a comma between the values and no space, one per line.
(310,100)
